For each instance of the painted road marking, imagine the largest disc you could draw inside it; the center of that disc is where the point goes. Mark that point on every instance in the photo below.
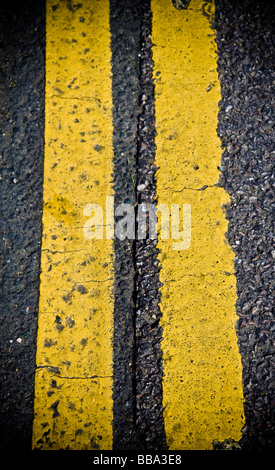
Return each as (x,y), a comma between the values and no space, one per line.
(202,384)
(73,383)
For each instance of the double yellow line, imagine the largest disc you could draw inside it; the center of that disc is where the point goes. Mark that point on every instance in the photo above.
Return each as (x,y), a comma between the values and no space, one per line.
(202,385)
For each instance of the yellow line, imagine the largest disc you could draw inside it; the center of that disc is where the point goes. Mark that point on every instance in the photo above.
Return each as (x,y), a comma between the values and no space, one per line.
(73,384)
(202,385)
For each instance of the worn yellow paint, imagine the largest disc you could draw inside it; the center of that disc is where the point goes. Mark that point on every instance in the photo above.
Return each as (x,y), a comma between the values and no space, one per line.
(202,384)
(73,383)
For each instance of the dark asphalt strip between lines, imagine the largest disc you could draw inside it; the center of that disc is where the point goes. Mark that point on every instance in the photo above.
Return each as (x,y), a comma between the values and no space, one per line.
(137,354)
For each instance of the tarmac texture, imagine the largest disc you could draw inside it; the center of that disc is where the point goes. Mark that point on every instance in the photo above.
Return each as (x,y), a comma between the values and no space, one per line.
(245,64)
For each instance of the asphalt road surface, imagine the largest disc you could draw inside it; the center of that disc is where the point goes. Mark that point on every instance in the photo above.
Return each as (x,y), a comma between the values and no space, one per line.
(133,390)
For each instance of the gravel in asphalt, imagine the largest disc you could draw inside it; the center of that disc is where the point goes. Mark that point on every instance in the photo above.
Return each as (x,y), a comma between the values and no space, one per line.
(245,44)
